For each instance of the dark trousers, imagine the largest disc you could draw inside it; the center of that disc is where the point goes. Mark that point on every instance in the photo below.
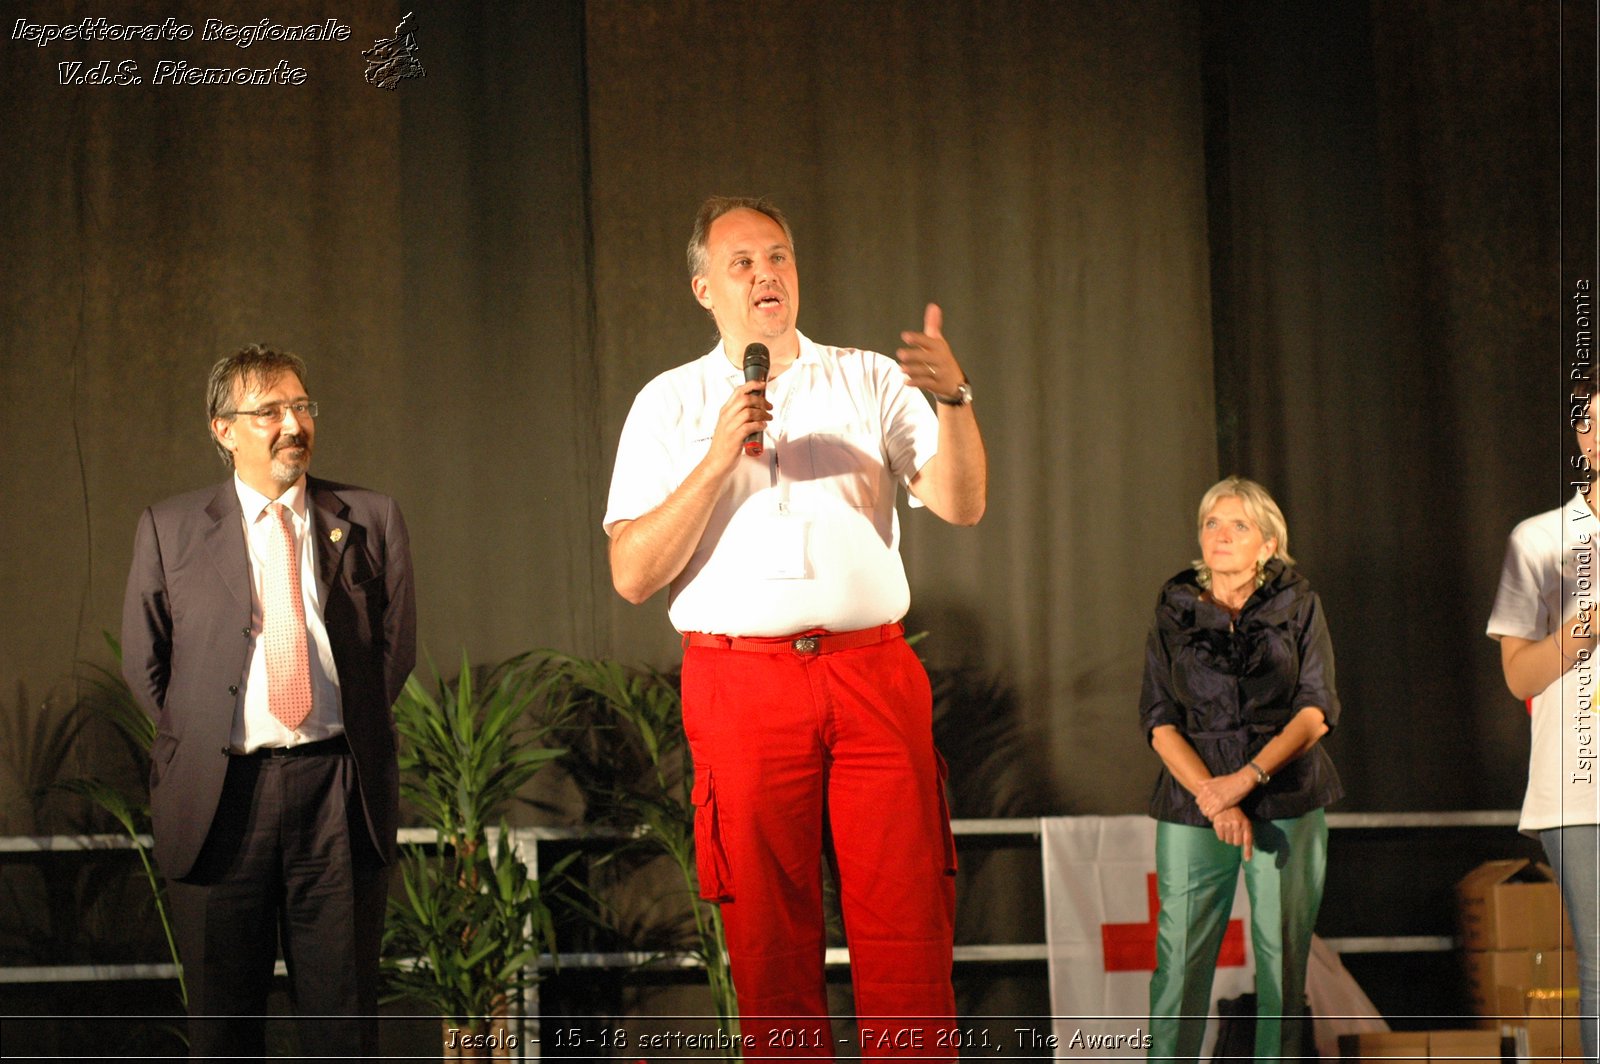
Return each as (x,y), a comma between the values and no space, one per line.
(288,861)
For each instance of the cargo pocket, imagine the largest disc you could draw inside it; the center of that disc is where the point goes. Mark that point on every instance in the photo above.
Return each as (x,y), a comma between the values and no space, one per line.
(710,856)
(943,775)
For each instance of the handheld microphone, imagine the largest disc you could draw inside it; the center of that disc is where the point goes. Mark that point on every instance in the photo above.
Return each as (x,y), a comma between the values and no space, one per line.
(756,363)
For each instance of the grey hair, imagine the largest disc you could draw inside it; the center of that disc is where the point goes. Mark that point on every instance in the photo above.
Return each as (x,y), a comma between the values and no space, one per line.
(714,208)
(255,365)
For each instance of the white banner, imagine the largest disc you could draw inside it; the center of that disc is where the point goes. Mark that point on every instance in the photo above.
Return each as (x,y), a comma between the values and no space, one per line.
(1100,927)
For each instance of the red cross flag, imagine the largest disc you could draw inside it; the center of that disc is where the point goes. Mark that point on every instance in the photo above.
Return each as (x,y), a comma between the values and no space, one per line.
(1100,927)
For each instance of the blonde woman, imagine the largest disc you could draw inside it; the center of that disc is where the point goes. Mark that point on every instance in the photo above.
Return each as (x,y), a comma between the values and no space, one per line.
(1238,690)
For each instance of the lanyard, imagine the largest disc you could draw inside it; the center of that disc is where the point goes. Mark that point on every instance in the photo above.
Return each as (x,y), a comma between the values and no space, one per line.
(777,429)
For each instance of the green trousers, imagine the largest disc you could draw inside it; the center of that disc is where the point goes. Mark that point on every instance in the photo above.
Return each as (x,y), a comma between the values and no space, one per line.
(1196,874)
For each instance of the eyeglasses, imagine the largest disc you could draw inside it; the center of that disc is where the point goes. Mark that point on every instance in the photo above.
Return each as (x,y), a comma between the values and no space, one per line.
(273,413)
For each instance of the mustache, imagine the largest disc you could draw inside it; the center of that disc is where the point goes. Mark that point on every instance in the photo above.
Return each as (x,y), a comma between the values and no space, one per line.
(288,441)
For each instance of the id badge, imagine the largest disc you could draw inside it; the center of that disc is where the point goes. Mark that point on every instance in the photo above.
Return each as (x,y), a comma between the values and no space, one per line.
(784,538)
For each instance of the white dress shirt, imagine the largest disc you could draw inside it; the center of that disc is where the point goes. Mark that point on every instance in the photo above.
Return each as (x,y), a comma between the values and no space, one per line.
(254,726)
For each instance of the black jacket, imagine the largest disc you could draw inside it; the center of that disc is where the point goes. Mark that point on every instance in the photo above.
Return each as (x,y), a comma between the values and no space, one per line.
(1230,689)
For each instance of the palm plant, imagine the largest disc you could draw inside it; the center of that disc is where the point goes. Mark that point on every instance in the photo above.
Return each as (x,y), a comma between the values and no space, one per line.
(467,932)
(629,757)
(474,928)
(36,742)
(112,700)
(41,901)
(134,819)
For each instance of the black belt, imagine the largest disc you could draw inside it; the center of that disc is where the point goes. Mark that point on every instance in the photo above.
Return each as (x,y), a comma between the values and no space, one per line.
(336,745)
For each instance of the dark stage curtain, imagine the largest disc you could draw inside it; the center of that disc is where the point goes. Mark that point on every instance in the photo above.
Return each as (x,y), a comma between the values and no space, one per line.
(426,250)
(1386,264)
(1038,171)
(1357,208)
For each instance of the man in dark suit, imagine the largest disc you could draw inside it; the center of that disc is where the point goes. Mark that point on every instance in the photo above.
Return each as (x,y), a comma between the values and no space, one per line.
(268,627)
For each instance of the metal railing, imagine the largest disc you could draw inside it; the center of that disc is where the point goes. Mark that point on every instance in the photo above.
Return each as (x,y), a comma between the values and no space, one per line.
(529,839)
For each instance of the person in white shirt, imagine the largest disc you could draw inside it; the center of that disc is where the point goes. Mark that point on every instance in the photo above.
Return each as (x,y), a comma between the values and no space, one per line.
(1545,617)
(808,716)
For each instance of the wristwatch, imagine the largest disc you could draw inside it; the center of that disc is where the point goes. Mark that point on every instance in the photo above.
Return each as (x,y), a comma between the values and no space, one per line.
(962,397)
(1262,776)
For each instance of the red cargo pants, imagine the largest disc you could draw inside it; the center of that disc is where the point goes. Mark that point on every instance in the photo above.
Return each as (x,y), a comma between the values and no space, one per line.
(788,734)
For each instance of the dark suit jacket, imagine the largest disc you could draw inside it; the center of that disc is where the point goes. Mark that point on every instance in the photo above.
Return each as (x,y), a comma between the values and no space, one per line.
(186,636)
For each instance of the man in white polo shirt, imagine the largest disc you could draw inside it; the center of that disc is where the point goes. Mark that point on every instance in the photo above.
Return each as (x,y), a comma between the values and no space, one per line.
(806,711)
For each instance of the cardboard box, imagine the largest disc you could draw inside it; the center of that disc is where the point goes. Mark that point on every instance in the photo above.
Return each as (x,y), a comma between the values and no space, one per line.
(1511,904)
(1379,1045)
(1451,1047)
(1488,970)
(1551,1016)
(1459,1047)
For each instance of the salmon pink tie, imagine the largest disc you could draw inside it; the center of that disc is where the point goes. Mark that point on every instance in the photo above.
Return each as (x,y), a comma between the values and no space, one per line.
(283,627)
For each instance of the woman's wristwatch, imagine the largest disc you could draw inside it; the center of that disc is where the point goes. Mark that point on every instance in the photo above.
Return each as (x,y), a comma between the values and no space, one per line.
(1262,775)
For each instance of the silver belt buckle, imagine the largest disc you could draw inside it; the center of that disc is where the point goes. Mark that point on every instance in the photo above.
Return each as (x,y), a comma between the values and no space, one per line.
(806,644)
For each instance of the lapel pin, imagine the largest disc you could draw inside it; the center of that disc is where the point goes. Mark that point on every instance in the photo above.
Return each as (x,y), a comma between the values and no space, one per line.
(336,534)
